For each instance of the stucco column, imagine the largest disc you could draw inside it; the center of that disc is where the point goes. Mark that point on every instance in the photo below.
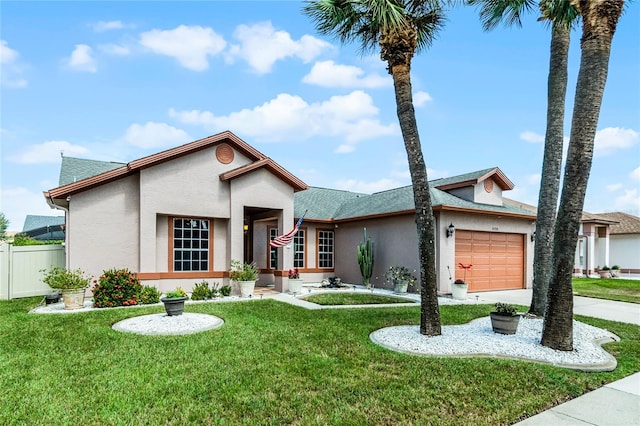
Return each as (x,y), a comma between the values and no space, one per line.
(591,250)
(285,254)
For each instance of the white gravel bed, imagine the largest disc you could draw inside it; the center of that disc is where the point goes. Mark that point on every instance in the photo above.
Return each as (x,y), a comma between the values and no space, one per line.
(163,324)
(478,339)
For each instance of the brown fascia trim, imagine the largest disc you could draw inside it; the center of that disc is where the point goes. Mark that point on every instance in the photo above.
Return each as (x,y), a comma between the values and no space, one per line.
(87,183)
(154,159)
(194,146)
(436,208)
(273,167)
(500,178)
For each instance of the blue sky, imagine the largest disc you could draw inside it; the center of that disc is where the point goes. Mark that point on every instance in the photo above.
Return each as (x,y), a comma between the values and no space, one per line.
(116,81)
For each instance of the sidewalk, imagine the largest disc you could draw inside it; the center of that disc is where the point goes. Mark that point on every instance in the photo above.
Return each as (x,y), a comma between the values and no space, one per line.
(617,403)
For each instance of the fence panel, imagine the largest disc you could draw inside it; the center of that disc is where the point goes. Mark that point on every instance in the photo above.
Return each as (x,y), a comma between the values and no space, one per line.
(23,265)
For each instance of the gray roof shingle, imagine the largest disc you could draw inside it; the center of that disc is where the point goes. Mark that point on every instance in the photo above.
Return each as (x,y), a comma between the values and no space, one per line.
(75,169)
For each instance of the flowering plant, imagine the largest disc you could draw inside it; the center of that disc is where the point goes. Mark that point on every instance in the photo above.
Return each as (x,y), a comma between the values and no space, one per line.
(294,274)
(399,273)
(466,268)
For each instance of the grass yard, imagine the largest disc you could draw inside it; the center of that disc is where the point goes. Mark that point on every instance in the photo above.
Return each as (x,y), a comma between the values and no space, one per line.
(269,364)
(608,288)
(336,298)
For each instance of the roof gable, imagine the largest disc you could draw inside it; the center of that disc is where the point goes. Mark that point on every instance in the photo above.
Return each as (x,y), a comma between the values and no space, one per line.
(119,170)
(473,178)
(623,223)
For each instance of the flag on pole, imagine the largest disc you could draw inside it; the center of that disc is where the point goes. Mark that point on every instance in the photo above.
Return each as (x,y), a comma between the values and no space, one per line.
(285,239)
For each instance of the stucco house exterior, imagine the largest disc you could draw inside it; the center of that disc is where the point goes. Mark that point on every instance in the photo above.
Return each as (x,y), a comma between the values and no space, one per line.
(608,239)
(180,216)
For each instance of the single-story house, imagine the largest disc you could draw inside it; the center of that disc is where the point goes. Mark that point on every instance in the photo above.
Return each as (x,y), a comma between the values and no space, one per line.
(608,239)
(181,215)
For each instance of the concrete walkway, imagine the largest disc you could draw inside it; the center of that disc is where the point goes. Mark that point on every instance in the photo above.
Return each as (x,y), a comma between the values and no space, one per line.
(587,306)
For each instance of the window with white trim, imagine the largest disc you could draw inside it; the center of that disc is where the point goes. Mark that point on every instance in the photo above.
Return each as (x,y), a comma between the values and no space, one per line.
(190,244)
(325,249)
(298,248)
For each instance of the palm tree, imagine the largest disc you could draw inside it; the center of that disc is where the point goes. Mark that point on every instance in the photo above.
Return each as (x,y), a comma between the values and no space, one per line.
(599,22)
(561,15)
(399,28)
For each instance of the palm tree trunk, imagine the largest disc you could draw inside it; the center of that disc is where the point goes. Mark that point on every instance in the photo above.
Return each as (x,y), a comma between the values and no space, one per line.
(551,167)
(599,21)
(425,223)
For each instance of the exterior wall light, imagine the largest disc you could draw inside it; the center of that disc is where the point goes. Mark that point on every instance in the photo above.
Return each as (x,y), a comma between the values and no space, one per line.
(533,236)
(450,230)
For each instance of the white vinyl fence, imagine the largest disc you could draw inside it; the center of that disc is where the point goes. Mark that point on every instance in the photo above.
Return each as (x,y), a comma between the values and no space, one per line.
(20,268)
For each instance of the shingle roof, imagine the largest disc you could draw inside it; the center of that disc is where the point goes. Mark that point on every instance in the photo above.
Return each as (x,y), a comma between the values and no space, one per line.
(343,205)
(75,169)
(627,223)
(321,203)
(35,222)
(473,178)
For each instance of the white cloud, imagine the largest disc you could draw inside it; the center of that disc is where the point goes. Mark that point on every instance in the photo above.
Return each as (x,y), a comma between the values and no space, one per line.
(82,59)
(47,152)
(17,202)
(614,187)
(532,137)
(635,174)
(154,135)
(629,202)
(351,117)
(189,45)
(261,46)
(610,139)
(114,49)
(11,75)
(102,26)
(330,74)
(421,98)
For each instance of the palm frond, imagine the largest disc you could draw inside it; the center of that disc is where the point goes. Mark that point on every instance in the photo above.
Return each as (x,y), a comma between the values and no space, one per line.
(493,12)
(559,12)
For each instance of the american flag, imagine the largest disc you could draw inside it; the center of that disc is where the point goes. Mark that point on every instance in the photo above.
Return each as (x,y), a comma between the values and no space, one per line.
(285,239)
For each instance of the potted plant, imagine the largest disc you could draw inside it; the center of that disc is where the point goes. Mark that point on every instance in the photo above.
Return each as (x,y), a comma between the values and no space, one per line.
(615,271)
(504,319)
(295,282)
(400,277)
(72,284)
(605,272)
(246,275)
(174,301)
(459,287)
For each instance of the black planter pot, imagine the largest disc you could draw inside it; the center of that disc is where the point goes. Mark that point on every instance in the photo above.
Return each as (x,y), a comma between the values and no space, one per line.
(52,298)
(174,306)
(504,324)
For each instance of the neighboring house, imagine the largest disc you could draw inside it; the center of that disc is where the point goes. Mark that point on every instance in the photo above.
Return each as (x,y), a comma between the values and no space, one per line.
(608,239)
(44,228)
(181,215)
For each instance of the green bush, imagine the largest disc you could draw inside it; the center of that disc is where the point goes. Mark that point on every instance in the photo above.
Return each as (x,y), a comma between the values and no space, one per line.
(225,290)
(23,239)
(61,278)
(116,287)
(215,290)
(201,291)
(149,295)
(174,294)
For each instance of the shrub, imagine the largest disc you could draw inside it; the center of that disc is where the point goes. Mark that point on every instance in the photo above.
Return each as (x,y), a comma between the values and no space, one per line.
(174,294)
(149,295)
(61,278)
(225,290)
(201,291)
(505,309)
(116,287)
(215,290)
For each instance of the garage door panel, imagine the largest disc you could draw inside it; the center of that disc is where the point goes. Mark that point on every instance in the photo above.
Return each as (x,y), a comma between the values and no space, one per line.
(497,259)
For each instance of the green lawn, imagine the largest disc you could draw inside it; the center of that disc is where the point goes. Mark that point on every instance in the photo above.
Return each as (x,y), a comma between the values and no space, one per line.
(608,288)
(349,298)
(269,364)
